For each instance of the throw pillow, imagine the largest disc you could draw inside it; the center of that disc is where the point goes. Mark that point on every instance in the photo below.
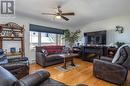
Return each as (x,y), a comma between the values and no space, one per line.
(66,49)
(3,57)
(44,52)
(1,51)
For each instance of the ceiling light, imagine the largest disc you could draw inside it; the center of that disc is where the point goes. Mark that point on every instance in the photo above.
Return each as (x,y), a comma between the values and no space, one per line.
(58,17)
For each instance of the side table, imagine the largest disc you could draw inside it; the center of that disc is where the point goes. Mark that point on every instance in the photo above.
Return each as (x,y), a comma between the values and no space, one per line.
(111,51)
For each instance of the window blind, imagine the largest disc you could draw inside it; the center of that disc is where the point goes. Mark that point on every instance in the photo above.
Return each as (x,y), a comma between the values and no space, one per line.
(39,28)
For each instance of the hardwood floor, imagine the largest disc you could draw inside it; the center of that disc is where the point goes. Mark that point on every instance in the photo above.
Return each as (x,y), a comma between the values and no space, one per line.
(81,74)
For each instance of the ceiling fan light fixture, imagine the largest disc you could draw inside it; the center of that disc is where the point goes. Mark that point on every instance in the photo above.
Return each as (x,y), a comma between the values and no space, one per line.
(59,14)
(58,17)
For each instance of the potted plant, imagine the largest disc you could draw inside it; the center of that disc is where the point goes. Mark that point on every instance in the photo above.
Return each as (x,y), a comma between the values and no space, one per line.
(119,44)
(71,37)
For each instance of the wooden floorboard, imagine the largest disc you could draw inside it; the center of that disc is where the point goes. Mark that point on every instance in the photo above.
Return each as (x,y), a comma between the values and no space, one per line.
(81,74)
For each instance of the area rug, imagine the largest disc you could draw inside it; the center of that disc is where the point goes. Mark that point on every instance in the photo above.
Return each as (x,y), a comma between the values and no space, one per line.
(69,67)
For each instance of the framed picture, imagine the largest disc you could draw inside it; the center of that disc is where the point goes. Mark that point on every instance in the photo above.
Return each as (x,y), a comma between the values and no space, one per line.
(13,50)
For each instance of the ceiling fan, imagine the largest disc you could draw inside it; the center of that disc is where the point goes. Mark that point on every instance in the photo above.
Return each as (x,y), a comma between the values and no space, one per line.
(60,14)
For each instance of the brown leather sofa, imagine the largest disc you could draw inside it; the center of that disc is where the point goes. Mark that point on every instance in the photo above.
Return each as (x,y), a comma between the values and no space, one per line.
(48,55)
(39,78)
(19,67)
(113,72)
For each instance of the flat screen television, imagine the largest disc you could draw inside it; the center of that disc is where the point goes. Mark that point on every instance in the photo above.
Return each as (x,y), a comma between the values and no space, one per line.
(97,37)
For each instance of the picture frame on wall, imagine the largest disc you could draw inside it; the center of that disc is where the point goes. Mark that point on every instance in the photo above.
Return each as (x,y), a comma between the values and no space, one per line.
(13,50)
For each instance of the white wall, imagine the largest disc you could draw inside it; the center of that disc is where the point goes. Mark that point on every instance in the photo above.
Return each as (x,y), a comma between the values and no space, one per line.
(25,21)
(110,26)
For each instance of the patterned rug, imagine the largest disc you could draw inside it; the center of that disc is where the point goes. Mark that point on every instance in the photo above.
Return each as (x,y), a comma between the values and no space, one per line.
(68,67)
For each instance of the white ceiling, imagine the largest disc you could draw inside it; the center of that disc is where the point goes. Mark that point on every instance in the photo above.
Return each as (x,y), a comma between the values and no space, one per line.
(86,11)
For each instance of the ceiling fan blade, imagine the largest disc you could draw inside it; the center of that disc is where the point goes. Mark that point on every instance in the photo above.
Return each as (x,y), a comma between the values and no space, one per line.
(70,13)
(48,14)
(65,18)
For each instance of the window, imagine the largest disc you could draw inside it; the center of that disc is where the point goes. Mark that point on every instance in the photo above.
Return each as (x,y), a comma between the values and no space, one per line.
(33,39)
(43,38)
(60,40)
(48,38)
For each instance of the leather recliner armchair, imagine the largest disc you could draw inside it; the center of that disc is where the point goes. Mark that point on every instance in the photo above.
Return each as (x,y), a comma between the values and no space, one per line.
(114,72)
(39,78)
(19,67)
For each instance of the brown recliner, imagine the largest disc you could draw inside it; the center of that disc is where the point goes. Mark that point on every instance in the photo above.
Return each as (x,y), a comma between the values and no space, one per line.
(17,66)
(113,72)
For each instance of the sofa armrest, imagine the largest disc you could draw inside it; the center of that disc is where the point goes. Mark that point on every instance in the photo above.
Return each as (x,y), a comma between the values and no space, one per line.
(40,58)
(12,66)
(101,64)
(35,78)
(108,71)
(17,59)
(105,58)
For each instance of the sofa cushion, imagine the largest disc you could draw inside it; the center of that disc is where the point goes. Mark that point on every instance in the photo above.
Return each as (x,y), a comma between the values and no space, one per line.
(53,57)
(53,49)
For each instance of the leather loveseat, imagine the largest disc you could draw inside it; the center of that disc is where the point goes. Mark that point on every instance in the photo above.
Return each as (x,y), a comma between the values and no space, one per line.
(48,55)
(17,66)
(39,78)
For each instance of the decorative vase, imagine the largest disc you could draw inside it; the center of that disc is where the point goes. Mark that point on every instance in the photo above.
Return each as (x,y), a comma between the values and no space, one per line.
(12,35)
(20,35)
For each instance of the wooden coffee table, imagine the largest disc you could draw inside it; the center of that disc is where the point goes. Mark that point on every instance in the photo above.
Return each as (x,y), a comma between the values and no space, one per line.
(68,58)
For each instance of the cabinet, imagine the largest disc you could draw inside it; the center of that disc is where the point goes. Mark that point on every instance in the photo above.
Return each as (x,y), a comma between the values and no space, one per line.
(95,38)
(12,32)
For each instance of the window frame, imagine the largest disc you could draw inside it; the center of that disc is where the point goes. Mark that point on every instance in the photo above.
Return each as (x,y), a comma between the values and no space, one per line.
(58,39)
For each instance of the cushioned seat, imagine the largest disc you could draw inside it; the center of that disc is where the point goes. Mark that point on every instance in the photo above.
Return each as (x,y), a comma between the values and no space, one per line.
(17,66)
(53,57)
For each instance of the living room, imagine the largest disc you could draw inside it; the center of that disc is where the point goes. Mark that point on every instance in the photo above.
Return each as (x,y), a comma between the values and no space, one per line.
(103,30)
